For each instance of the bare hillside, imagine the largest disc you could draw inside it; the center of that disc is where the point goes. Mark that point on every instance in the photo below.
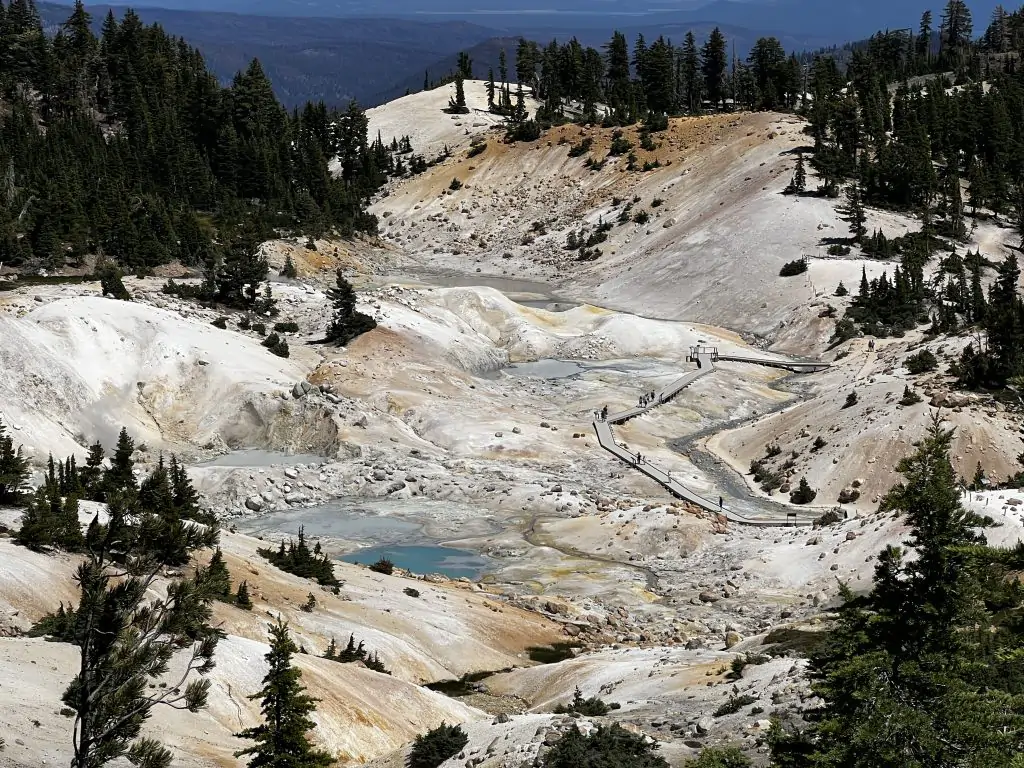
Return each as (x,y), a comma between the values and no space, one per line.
(718,227)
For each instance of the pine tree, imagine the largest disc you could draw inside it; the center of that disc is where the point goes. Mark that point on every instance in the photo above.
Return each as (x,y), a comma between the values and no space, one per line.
(218,578)
(798,184)
(92,473)
(110,280)
(436,746)
(125,640)
(332,651)
(853,213)
(457,103)
(281,740)
(918,671)
(36,527)
(713,66)
(347,322)
(13,469)
(120,477)
(689,74)
(242,599)
(288,270)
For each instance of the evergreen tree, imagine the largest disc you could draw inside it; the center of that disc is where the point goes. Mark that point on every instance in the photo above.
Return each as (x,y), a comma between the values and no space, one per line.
(713,66)
(281,741)
(910,675)
(110,281)
(332,651)
(347,322)
(853,213)
(218,578)
(436,745)
(490,90)
(798,184)
(13,469)
(457,103)
(125,640)
(689,75)
(288,270)
(242,599)
(120,477)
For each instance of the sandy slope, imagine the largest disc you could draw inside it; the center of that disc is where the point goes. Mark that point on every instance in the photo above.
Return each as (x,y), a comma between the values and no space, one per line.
(420,117)
(444,633)
(78,366)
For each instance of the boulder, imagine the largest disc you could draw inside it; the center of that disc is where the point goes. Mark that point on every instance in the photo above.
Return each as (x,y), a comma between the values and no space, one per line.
(298,391)
(705,724)
(255,503)
(732,639)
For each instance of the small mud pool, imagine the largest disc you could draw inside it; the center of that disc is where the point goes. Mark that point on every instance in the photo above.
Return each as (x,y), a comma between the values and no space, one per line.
(545,369)
(454,563)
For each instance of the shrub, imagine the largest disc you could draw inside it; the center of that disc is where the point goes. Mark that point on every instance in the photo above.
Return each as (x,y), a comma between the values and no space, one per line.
(657,202)
(791,268)
(310,603)
(110,280)
(851,399)
(245,322)
(734,704)
(838,250)
(288,270)
(277,345)
(297,558)
(655,122)
(605,746)
(220,322)
(845,330)
(384,566)
(528,130)
(436,746)
(260,328)
(286,327)
(592,707)
(578,150)
(841,289)
(803,494)
(411,592)
(477,149)
(646,142)
(922,362)
(910,397)
(819,443)
(620,144)
(455,185)
(831,517)
(641,217)
(650,165)
(723,757)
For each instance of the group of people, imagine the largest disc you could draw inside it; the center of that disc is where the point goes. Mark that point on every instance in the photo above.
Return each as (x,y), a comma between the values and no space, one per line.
(647,398)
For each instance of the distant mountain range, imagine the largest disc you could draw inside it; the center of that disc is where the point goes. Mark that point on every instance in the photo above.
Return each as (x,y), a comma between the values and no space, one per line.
(836,21)
(336,60)
(338,57)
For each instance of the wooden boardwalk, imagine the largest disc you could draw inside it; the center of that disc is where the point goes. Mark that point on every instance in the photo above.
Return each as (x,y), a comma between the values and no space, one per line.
(705,359)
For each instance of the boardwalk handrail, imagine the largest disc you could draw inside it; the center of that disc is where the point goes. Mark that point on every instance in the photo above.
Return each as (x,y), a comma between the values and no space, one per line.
(705,358)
